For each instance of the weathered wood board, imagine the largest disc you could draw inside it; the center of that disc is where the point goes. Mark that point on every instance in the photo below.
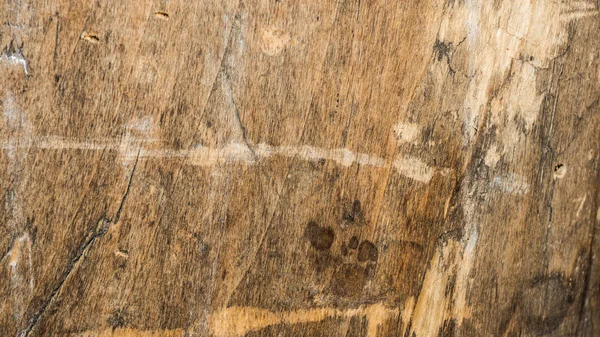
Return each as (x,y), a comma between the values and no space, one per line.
(300,168)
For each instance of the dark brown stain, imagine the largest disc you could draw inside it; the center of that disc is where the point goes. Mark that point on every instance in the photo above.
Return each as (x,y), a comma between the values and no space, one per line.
(370,271)
(353,242)
(344,249)
(348,281)
(161,15)
(367,251)
(441,49)
(546,302)
(355,214)
(116,319)
(320,238)
(321,262)
(448,329)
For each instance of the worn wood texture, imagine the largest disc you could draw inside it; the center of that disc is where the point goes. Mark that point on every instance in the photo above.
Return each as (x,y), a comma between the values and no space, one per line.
(299,168)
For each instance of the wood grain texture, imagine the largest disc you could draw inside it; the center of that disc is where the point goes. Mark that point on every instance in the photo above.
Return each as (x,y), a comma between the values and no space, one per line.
(299,168)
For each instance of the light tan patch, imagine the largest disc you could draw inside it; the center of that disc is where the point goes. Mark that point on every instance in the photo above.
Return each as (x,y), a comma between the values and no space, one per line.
(407,132)
(238,321)
(274,41)
(492,156)
(127,332)
(414,168)
(407,311)
(434,306)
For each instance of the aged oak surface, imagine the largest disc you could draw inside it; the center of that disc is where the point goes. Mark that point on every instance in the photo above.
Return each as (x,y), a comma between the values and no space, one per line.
(300,168)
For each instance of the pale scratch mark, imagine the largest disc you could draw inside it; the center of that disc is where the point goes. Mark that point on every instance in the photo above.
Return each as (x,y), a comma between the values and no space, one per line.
(121,253)
(19,273)
(61,143)
(131,145)
(238,321)
(130,332)
(581,204)
(341,156)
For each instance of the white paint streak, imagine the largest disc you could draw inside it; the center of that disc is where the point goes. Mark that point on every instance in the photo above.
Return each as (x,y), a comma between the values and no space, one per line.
(16,59)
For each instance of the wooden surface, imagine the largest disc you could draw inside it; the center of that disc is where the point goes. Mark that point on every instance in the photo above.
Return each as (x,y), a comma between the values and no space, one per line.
(299,168)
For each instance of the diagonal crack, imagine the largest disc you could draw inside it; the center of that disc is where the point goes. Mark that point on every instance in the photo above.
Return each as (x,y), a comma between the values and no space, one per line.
(120,209)
(83,249)
(101,229)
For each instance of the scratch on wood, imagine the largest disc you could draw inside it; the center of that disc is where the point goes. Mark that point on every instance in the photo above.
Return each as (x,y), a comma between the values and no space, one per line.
(128,332)
(410,167)
(238,321)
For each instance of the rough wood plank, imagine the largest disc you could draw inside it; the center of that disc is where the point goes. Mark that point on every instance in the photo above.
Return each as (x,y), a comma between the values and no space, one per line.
(300,168)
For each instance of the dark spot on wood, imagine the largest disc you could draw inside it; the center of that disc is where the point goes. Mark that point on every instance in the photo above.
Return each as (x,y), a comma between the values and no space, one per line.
(367,251)
(441,49)
(450,287)
(558,167)
(370,270)
(353,242)
(355,214)
(344,249)
(320,238)
(546,301)
(356,207)
(448,328)
(92,38)
(322,262)
(348,281)
(161,15)
(116,319)
(349,217)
